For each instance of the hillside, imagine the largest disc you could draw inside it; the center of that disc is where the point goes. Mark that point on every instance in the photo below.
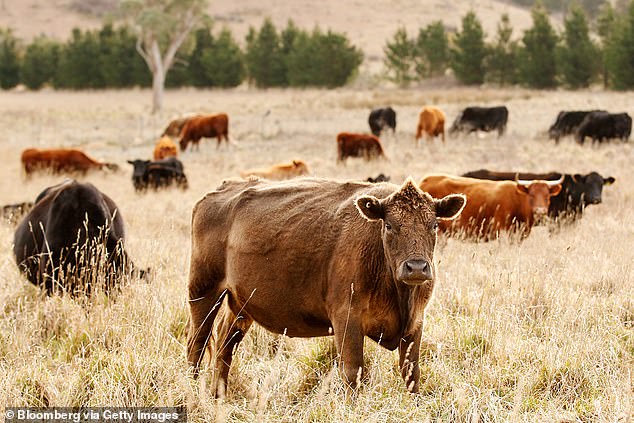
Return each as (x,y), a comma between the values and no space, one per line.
(368,23)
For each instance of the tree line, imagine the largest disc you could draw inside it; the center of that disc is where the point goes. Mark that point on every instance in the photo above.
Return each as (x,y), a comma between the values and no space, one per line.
(108,58)
(540,58)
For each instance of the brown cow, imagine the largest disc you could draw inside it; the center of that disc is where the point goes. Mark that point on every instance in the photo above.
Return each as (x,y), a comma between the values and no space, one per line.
(493,206)
(165,148)
(279,171)
(205,126)
(61,160)
(315,257)
(358,145)
(175,127)
(432,122)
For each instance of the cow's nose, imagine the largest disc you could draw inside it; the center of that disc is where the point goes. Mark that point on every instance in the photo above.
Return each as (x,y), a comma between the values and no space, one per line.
(541,211)
(416,271)
(594,201)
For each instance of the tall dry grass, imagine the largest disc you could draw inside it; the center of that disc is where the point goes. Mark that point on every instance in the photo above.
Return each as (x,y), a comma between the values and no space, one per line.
(539,330)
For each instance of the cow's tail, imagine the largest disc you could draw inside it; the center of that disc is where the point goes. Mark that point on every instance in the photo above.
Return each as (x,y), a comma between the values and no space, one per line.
(112,167)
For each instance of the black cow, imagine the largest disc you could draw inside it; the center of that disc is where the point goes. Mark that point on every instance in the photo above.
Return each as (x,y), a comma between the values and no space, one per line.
(481,119)
(72,237)
(380,178)
(158,174)
(602,126)
(567,123)
(12,213)
(577,191)
(380,119)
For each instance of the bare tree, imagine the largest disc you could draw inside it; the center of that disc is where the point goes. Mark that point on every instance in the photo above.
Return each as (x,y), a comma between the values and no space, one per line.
(162,26)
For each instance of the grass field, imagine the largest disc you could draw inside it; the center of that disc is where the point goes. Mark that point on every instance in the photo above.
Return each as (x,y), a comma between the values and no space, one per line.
(541,330)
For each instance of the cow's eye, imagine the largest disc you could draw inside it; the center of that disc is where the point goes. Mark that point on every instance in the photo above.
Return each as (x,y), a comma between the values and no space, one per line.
(434,226)
(388,227)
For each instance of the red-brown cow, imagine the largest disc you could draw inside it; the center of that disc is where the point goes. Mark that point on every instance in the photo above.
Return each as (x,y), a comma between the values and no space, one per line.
(315,257)
(205,126)
(493,206)
(165,148)
(61,160)
(358,145)
(432,122)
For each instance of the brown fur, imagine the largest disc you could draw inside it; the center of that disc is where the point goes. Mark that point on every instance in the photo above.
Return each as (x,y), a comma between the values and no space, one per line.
(175,127)
(165,148)
(205,126)
(314,257)
(279,171)
(60,160)
(431,121)
(358,145)
(492,206)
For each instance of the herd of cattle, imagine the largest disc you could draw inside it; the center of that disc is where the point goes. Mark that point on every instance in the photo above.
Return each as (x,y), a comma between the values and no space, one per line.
(342,238)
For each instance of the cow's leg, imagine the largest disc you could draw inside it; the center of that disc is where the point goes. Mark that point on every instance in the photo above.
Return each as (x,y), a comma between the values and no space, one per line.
(349,343)
(409,356)
(203,307)
(231,328)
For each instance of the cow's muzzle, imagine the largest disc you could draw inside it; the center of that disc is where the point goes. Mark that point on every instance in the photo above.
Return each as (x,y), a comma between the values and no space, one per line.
(415,272)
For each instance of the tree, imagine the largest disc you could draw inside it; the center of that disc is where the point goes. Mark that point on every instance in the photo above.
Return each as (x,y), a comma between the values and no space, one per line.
(399,58)
(196,69)
(78,65)
(502,60)
(606,21)
(578,56)
(162,27)
(223,62)
(39,64)
(432,50)
(621,52)
(9,60)
(322,59)
(469,51)
(264,58)
(536,61)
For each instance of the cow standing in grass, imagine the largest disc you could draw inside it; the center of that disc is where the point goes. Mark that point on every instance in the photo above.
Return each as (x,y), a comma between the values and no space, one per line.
(315,257)
(204,126)
(493,206)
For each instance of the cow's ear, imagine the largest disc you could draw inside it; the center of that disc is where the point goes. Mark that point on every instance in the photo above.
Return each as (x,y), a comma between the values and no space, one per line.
(370,207)
(451,206)
(608,181)
(296,163)
(577,177)
(554,190)
(131,162)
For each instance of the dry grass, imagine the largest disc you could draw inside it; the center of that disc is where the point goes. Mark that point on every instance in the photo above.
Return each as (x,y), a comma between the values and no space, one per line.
(535,331)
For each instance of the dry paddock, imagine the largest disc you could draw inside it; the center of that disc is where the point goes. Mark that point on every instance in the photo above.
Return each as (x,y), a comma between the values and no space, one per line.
(540,330)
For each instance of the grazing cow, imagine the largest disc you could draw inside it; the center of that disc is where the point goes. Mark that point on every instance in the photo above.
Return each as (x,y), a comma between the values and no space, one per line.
(431,121)
(72,237)
(315,257)
(205,126)
(12,213)
(493,206)
(175,127)
(61,160)
(165,148)
(602,126)
(280,171)
(481,118)
(159,174)
(379,119)
(567,123)
(380,178)
(358,145)
(577,191)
